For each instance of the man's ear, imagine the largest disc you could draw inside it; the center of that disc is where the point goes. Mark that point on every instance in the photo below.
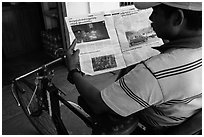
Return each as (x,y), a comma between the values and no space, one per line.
(178,17)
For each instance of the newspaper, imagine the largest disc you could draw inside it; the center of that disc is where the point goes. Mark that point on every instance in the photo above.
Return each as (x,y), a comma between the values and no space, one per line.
(113,40)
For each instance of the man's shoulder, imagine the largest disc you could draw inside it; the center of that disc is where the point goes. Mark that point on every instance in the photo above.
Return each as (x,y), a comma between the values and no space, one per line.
(173,58)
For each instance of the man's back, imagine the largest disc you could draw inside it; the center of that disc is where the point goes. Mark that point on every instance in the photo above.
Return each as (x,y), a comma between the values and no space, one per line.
(179,74)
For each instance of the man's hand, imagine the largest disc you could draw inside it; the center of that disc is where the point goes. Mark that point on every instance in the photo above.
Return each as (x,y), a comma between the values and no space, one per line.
(91,94)
(72,57)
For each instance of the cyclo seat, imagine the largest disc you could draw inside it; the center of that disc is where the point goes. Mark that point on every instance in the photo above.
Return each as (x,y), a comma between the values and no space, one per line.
(130,125)
(191,126)
(116,125)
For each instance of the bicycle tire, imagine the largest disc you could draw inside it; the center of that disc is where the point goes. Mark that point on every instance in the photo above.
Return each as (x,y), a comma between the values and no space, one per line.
(43,122)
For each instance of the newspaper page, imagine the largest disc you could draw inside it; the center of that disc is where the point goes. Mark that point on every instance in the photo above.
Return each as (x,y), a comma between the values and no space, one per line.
(97,40)
(135,34)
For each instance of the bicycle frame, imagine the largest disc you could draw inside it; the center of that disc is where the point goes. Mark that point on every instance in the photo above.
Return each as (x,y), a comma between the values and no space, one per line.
(53,95)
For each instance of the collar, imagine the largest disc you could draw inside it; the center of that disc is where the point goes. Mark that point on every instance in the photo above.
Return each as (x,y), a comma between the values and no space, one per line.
(192,43)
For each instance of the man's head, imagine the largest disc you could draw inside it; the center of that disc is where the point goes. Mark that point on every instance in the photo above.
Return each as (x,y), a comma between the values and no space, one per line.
(174,20)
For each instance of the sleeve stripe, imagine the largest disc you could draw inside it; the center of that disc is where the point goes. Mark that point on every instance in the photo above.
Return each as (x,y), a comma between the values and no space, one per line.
(153,122)
(131,94)
(157,111)
(176,118)
(183,66)
(186,101)
(180,71)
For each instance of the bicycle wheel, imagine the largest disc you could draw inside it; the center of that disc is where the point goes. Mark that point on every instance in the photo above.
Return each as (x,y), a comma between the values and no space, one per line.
(38,115)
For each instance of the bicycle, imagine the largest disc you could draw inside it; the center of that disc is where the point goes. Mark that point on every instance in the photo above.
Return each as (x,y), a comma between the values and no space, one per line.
(41,103)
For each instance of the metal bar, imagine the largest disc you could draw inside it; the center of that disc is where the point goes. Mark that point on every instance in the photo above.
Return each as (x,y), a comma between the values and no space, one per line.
(87,119)
(14,94)
(31,100)
(35,70)
(56,114)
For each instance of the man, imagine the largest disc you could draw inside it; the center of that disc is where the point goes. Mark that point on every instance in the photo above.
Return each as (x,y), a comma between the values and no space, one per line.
(165,89)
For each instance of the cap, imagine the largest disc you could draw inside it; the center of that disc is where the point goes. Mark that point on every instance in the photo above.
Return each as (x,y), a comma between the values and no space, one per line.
(195,6)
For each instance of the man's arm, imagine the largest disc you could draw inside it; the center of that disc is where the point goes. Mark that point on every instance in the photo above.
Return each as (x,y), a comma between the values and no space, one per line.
(90,94)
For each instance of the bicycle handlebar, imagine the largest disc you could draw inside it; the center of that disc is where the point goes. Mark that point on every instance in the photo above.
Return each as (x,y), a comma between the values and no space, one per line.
(40,68)
(29,73)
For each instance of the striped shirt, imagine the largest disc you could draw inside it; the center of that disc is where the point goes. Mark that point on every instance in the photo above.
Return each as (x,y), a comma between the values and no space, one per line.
(168,87)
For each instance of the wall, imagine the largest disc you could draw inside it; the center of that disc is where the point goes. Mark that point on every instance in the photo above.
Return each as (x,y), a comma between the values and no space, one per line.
(21,27)
(103,6)
(83,8)
(77,8)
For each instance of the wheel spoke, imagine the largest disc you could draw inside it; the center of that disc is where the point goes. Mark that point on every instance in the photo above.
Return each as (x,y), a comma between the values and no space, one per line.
(35,110)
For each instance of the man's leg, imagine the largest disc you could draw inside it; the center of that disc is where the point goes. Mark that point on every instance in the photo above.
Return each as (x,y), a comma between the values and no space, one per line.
(110,123)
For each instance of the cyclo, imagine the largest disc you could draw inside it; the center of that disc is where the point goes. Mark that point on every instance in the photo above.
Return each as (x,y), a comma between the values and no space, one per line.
(41,100)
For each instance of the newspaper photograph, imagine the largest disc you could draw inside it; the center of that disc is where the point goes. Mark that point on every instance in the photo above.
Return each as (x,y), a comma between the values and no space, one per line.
(135,34)
(98,43)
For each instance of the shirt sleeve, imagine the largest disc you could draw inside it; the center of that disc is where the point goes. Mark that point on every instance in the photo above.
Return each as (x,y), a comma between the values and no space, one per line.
(135,91)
